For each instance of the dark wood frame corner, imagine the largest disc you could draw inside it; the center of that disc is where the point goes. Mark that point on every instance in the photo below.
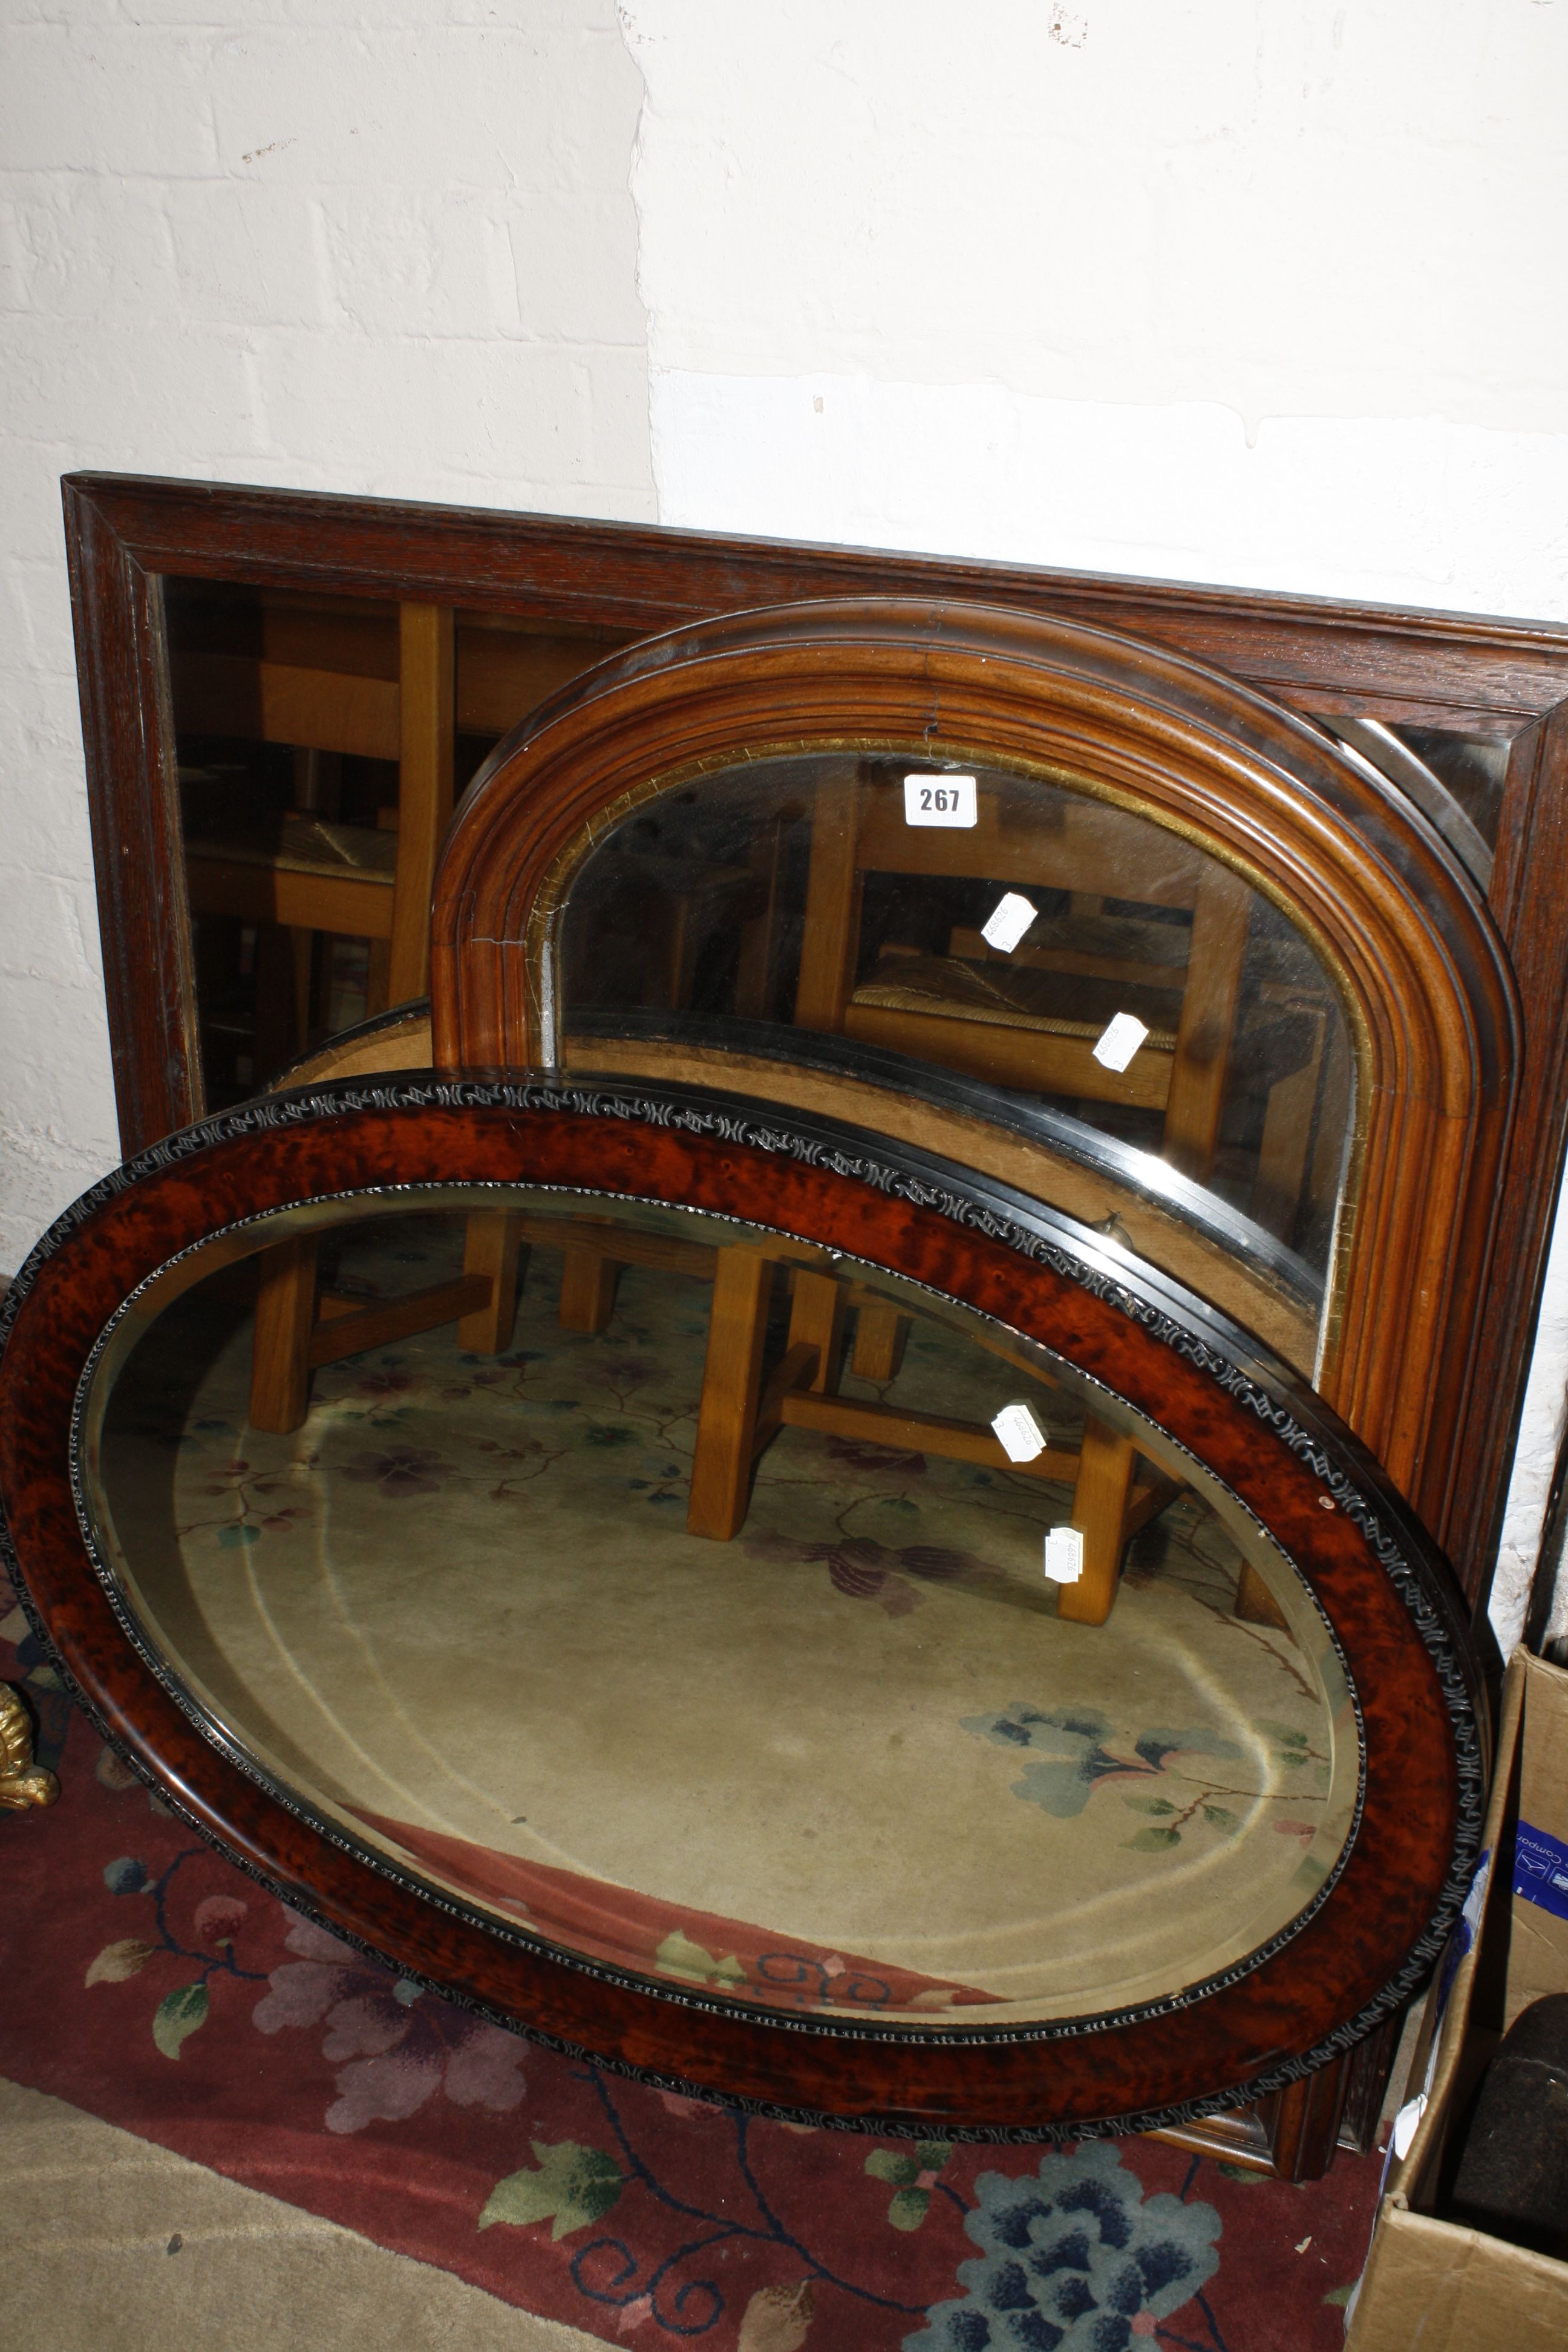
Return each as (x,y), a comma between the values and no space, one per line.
(1498,678)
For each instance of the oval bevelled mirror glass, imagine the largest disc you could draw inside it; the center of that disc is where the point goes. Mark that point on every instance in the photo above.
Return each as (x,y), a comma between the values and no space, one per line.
(1094,982)
(699,1623)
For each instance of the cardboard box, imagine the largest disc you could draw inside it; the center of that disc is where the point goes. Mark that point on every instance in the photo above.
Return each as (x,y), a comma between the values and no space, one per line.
(1431,2283)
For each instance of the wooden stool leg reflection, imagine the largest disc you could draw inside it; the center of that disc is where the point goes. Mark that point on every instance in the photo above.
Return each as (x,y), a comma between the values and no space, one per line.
(285,1317)
(816,1320)
(490,1249)
(1106,1461)
(588,1281)
(880,1335)
(731,1386)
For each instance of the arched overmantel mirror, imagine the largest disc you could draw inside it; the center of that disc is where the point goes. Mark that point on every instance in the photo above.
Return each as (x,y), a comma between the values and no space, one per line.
(706,860)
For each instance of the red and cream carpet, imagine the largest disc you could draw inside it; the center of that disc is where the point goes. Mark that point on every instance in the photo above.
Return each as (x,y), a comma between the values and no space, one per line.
(150,1984)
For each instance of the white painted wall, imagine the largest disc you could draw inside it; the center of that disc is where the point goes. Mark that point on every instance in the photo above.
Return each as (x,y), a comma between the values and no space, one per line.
(383,246)
(1201,288)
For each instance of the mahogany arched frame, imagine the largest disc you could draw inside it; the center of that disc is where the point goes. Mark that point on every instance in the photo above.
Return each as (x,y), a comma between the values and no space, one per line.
(1400,927)
(1352,1957)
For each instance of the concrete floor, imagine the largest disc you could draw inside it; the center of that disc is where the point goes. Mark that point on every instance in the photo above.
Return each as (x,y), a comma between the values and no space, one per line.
(114,2244)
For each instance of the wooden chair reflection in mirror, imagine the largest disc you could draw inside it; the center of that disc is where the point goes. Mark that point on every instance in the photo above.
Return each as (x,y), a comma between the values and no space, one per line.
(307,875)
(301,1323)
(744,1406)
(1154,927)
(1183,980)
(310,876)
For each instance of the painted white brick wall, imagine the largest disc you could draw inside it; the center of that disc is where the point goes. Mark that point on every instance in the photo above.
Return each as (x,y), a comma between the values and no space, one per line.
(1198,289)
(384,247)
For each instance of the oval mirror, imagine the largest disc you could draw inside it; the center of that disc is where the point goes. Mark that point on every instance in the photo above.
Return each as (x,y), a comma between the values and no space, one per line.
(784,1616)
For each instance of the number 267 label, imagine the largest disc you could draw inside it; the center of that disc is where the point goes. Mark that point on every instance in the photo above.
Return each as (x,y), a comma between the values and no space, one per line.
(939,800)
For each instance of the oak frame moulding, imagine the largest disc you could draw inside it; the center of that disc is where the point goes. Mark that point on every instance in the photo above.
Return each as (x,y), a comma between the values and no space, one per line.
(1396,919)
(1500,678)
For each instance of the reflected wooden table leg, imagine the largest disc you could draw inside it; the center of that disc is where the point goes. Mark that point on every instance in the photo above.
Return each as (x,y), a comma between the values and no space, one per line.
(284,1319)
(588,1281)
(880,1335)
(1105,1467)
(732,1387)
(490,1248)
(816,1320)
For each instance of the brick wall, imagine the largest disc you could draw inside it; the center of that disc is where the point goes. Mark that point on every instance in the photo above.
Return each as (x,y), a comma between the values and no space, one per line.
(386,246)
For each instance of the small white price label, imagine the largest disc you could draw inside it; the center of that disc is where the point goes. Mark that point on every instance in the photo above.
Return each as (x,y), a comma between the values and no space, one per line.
(1020,1434)
(939,800)
(1064,1555)
(1010,918)
(1120,1041)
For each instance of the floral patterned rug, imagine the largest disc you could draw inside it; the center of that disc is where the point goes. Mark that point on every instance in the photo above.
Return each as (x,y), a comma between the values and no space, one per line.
(150,1983)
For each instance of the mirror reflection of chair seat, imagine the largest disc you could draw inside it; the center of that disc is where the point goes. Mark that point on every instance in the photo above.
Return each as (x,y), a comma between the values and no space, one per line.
(1153,928)
(303,1324)
(302,875)
(745,1405)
